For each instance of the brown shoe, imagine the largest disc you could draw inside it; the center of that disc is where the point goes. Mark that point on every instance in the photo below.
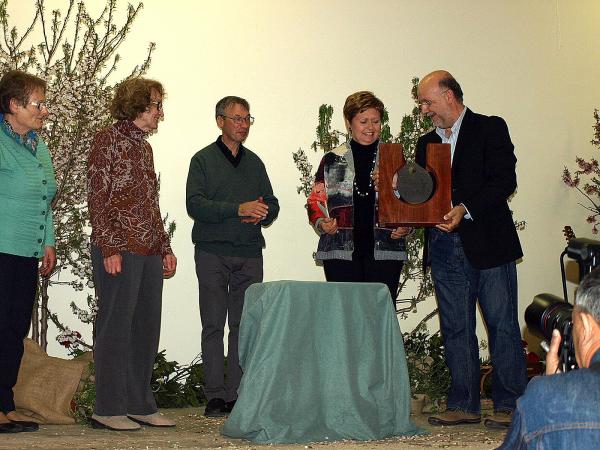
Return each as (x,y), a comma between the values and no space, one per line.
(454,417)
(500,419)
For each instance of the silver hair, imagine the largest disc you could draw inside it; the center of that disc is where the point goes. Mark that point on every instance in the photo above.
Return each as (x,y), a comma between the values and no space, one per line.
(588,294)
(226,102)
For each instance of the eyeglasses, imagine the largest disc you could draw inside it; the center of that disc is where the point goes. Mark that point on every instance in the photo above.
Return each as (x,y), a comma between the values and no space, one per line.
(428,103)
(238,120)
(38,105)
(159,105)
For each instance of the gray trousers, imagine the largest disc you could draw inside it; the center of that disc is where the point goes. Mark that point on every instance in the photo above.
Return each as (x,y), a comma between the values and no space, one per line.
(222,283)
(127,333)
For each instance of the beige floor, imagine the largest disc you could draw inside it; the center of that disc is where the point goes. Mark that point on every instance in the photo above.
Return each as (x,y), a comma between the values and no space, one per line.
(194,431)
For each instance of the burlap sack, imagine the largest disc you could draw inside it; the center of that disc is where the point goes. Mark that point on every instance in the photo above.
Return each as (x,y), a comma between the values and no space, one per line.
(46,385)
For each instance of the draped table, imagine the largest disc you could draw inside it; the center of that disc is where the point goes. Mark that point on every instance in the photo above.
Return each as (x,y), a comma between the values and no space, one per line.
(321,361)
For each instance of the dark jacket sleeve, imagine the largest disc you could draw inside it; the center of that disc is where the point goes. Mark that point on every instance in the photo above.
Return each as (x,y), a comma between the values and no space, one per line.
(498,180)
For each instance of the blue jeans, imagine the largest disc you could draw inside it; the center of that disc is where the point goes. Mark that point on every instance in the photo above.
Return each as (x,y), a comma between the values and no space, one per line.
(458,287)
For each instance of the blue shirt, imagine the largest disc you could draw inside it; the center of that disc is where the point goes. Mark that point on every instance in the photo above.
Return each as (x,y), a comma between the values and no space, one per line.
(558,412)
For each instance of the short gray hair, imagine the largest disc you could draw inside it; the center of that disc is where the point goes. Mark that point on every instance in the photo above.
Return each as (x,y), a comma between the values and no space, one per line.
(588,294)
(226,102)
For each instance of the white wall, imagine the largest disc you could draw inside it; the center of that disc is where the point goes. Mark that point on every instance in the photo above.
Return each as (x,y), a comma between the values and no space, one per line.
(533,62)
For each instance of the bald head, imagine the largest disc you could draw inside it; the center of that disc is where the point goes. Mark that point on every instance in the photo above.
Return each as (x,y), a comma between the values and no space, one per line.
(440,98)
(436,76)
(444,80)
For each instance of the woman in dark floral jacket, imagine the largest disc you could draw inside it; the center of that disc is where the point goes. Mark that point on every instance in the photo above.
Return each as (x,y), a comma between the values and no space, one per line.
(343,204)
(130,255)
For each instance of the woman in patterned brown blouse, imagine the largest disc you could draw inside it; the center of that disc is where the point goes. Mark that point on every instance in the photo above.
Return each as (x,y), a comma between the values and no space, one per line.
(130,255)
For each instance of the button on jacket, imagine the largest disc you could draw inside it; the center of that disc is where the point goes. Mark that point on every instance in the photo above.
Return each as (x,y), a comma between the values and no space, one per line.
(27,188)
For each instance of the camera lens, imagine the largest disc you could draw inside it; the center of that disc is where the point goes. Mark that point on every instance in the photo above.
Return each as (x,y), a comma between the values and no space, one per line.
(546,313)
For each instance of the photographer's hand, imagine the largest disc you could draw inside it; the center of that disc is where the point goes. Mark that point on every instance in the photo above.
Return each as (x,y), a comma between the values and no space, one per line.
(552,358)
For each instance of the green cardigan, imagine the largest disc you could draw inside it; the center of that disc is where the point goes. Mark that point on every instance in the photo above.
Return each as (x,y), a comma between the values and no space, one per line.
(214,191)
(27,187)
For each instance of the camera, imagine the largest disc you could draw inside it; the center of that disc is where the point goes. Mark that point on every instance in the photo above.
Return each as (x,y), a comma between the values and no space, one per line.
(549,312)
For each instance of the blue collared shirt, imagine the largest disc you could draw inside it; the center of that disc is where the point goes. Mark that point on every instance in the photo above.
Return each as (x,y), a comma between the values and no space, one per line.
(29,140)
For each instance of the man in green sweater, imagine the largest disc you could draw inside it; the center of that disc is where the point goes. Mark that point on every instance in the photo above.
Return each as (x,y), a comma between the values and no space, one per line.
(230,198)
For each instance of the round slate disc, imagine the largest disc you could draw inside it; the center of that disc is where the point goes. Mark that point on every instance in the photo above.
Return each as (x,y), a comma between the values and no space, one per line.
(414,184)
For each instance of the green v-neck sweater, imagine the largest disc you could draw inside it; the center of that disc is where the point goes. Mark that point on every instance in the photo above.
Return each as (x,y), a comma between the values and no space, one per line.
(214,191)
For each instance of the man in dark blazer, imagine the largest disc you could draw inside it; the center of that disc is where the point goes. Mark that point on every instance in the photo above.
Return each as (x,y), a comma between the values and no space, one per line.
(472,255)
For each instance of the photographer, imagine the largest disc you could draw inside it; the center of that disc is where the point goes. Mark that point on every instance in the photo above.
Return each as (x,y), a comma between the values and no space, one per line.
(562,410)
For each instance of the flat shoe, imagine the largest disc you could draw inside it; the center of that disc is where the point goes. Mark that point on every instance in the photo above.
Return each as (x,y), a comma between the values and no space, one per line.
(102,426)
(26,425)
(153,420)
(10,427)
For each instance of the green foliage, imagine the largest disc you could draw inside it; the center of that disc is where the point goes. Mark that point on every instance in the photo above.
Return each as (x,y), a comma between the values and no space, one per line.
(176,386)
(326,139)
(386,133)
(85,397)
(427,368)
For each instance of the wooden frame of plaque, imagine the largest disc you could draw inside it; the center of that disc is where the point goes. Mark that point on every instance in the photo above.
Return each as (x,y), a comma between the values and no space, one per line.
(393,211)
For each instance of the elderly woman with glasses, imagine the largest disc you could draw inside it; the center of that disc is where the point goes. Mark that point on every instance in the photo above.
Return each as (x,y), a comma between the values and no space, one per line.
(27,187)
(343,204)
(131,254)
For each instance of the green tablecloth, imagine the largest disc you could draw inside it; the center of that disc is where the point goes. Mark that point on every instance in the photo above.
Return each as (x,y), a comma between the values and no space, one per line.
(321,361)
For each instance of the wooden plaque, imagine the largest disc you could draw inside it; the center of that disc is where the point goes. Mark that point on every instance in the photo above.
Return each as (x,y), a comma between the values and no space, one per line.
(393,211)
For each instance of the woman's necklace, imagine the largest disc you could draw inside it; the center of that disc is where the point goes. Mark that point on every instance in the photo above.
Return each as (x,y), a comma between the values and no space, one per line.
(370,186)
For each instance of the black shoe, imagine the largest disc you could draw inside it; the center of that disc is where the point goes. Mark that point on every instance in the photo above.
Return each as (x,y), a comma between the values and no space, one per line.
(10,427)
(26,425)
(215,408)
(229,406)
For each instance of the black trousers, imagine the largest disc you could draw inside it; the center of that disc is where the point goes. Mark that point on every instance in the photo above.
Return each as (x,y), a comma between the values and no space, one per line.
(365,269)
(222,283)
(18,284)
(127,333)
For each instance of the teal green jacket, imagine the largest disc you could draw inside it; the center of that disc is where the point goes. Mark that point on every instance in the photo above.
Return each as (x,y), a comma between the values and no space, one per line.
(27,187)
(214,191)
